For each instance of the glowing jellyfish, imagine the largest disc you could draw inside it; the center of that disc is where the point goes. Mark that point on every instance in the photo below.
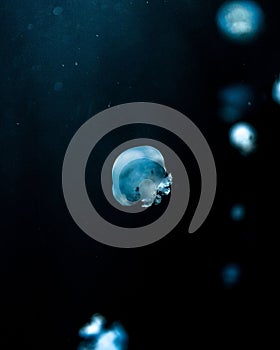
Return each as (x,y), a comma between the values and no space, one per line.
(243,137)
(237,212)
(139,175)
(93,328)
(235,100)
(240,20)
(276,91)
(231,274)
(98,338)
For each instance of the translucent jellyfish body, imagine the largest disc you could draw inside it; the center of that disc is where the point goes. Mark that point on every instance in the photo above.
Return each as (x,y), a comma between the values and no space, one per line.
(240,21)
(139,175)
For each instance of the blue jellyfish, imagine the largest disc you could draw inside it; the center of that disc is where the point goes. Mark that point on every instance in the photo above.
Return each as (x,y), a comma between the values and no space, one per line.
(97,337)
(139,175)
(240,21)
(243,137)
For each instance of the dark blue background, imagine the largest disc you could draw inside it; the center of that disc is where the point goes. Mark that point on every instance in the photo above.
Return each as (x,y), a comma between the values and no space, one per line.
(54,277)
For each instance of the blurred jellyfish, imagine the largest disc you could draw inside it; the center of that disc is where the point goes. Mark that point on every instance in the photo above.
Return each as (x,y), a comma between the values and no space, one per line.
(276,91)
(57,10)
(235,100)
(139,174)
(243,137)
(58,86)
(240,20)
(231,274)
(237,212)
(98,338)
(92,328)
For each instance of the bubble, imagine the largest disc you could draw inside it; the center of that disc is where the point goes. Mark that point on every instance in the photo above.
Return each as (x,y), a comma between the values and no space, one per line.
(237,212)
(57,10)
(58,86)
(240,20)
(243,137)
(139,174)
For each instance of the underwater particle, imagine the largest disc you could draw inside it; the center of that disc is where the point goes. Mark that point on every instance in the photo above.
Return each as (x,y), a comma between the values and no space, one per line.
(243,137)
(240,20)
(237,212)
(139,175)
(276,91)
(58,86)
(99,338)
(57,10)
(30,26)
(231,274)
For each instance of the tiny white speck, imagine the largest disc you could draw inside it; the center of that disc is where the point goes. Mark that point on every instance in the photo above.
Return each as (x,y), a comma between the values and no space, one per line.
(147,2)
(17,124)
(76,63)
(97,35)
(63,65)
(109,104)
(249,103)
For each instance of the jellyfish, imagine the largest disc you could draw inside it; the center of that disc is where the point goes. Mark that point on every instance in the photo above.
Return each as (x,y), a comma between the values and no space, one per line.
(240,20)
(235,101)
(237,212)
(231,274)
(243,137)
(139,175)
(276,91)
(98,337)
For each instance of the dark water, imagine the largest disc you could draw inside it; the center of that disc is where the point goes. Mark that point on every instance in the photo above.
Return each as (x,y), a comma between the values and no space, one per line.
(61,62)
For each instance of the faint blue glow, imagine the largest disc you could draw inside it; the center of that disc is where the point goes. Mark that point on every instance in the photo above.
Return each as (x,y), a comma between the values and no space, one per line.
(57,10)
(235,100)
(276,91)
(98,338)
(231,274)
(30,26)
(240,20)
(243,137)
(237,212)
(58,86)
(139,174)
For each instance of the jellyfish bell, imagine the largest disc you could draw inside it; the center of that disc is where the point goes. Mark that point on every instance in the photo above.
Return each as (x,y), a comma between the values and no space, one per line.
(243,137)
(139,175)
(240,21)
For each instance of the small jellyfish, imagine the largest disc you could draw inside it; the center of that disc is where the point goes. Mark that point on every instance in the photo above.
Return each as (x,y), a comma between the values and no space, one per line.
(276,91)
(240,21)
(237,212)
(231,274)
(57,10)
(139,175)
(243,137)
(235,101)
(58,86)
(96,336)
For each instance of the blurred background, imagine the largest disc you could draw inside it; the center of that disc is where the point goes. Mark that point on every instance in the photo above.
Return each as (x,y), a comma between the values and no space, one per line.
(61,62)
